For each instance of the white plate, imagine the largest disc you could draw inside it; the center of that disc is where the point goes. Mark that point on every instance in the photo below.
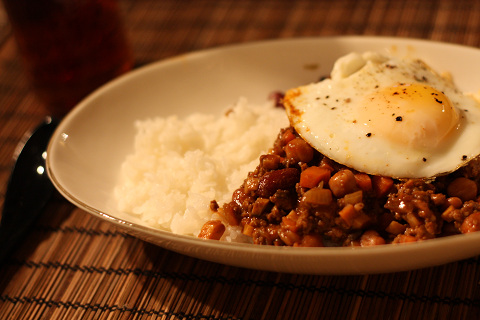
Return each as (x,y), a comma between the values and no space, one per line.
(91,142)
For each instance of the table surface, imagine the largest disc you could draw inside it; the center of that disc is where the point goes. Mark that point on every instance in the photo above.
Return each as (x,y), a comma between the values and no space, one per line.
(74,266)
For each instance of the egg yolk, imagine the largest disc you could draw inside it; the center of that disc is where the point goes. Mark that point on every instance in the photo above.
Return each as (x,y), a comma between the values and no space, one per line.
(414,115)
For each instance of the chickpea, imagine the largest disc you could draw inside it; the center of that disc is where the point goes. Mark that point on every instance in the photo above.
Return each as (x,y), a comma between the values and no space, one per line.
(299,150)
(462,188)
(371,238)
(342,183)
(455,202)
(270,161)
(213,230)
(311,240)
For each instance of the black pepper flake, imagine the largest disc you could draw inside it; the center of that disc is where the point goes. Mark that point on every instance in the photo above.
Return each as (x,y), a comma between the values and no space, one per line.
(421,79)
(464,157)
(396,93)
(369,134)
(424,159)
(438,100)
(399,118)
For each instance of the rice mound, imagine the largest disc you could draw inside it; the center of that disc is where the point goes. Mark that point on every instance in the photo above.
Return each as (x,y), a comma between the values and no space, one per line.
(179,165)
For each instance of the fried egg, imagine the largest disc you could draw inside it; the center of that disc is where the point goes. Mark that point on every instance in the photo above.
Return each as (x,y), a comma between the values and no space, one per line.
(387,116)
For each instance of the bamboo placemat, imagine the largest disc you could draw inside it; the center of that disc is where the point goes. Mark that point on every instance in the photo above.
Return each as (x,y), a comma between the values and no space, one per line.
(74,266)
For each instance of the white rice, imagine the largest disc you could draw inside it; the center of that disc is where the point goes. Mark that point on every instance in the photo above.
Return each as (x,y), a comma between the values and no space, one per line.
(180,165)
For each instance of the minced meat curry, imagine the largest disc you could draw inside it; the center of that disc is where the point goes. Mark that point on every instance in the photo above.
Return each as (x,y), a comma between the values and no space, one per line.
(298,197)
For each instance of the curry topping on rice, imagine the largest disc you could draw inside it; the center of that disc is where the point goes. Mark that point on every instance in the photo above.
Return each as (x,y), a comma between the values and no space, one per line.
(385,150)
(298,197)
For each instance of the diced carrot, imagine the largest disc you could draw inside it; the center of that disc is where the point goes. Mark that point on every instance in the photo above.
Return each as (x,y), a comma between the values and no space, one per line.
(353,218)
(289,224)
(348,214)
(248,230)
(363,181)
(361,220)
(381,185)
(448,214)
(311,177)
(289,237)
(395,228)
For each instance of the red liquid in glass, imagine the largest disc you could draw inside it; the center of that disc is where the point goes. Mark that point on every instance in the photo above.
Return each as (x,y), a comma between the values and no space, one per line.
(69,47)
